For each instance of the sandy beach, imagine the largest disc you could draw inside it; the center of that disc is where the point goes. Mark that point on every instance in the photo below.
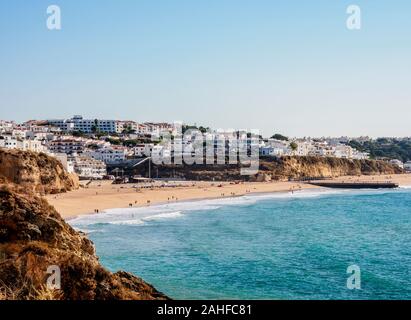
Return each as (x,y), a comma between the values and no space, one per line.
(102,195)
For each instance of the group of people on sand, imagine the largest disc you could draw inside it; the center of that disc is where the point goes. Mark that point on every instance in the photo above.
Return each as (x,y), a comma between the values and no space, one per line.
(295,188)
(172,198)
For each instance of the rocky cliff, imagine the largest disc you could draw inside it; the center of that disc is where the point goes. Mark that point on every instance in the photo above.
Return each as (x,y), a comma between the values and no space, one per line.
(308,167)
(35,240)
(36,172)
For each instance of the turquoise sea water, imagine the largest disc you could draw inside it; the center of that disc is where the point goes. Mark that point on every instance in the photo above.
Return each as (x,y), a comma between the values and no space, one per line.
(278,246)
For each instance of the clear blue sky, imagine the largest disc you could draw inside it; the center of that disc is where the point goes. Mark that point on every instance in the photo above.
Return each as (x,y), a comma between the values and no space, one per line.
(279,66)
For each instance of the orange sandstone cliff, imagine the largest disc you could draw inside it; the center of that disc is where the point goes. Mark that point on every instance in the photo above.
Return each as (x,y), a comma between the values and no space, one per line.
(34,238)
(35,172)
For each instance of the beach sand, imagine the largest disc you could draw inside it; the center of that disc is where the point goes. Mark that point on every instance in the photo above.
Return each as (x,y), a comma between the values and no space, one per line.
(102,195)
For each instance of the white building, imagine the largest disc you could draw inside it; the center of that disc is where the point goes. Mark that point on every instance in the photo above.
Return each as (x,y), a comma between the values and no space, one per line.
(77,123)
(271,151)
(155,129)
(6,126)
(309,147)
(397,163)
(143,149)
(63,158)
(67,145)
(407,166)
(303,147)
(88,168)
(32,145)
(280,147)
(161,152)
(112,154)
(360,155)
(121,126)
(10,142)
(343,151)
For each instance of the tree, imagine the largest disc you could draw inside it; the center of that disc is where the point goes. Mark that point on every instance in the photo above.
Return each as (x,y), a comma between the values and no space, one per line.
(203,129)
(114,141)
(128,130)
(78,133)
(186,127)
(293,146)
(278,136)
(94,127)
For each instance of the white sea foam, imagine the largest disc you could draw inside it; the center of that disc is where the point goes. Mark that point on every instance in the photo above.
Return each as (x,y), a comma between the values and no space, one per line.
(166,215)
(134,222)
(141,215)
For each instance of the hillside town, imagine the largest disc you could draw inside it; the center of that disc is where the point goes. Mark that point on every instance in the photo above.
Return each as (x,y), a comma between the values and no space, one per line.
(89,147)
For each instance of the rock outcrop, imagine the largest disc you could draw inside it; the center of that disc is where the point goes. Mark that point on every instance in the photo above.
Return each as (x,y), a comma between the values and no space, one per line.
(34,238)
(36,172)
(314,167)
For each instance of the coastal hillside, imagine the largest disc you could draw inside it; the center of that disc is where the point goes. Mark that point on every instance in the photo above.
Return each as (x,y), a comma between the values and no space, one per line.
(37,172)
(272,168)
(33,238)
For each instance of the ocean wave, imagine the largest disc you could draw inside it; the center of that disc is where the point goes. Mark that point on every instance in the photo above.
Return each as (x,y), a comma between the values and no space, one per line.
(162,216)
(141,215)
(134,222)
(87,231)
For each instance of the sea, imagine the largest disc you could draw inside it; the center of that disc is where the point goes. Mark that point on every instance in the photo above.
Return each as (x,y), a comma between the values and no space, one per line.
(309,245)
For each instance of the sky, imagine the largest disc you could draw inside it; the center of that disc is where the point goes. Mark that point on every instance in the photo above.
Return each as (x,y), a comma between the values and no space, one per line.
(286,66)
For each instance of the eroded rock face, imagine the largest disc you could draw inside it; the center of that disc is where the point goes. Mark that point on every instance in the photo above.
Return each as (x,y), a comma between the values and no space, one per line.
(36,172)
(302,167)
(34,237)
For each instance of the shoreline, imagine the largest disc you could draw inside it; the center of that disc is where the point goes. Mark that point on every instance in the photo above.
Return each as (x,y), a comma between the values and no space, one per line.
(83,201)
(199,201)
(102,195)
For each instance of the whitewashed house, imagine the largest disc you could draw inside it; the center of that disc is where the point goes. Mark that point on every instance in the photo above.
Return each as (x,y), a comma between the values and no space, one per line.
(87,167)
(111,154)
(397,163)
(407,166)
(67,145)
